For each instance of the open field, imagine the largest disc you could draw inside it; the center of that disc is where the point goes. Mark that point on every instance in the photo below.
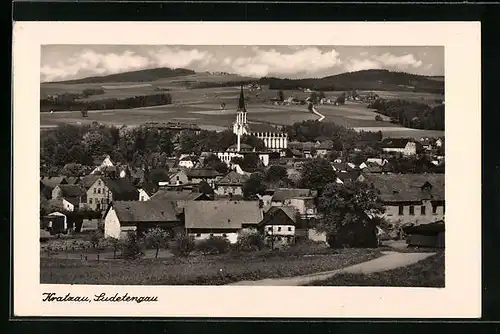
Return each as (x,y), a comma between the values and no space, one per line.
(202,106)
(201,270)
(429,272)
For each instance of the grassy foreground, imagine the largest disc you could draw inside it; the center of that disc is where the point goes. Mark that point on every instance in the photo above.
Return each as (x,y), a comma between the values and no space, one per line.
(425,273)
(201,270)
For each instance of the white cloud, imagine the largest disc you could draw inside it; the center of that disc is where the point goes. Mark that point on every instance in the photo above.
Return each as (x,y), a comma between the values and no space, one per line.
(89,62)
(362,64)
(178,58)
(401,62)
(92,63)
(385,60)
(272,62)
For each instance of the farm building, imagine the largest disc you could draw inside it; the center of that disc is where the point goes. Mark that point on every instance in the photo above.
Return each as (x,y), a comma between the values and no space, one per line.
(278,226)
(197,175)
(410,198)
(72,195)
(55,222)
(231,184)
(283,196)
(400,145)
(139,216)
(234,152)
(220,218)
(428,235)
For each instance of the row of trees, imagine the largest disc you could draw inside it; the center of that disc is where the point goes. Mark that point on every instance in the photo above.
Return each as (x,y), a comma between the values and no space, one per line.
(411,114)
(72,102)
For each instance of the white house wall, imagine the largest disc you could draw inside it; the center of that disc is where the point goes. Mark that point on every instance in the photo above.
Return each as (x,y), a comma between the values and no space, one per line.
(112,225)
(232,237)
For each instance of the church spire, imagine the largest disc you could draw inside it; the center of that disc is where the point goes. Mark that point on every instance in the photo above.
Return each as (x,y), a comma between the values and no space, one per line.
(241,101)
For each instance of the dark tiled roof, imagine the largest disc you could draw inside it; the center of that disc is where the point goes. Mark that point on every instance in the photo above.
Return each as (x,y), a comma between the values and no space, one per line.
(149,187)
(243,147)
(263,127)
(145,211)
(122,189)
(71,190)
(53,181)
(394,143)
(72,179)
(222,214)
(287,211)
(172,195)
(233,178)
(202,173)
(407,187)
(88,180)
(287,193)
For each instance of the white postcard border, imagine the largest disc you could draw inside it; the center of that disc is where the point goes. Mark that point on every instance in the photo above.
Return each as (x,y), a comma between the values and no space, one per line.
(460,299)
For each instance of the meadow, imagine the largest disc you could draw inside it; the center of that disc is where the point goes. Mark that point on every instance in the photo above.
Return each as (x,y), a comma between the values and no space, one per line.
(201,269)
(201,106)
(429,272)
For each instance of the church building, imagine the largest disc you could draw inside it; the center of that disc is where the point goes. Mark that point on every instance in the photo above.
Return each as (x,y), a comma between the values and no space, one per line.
(274,139)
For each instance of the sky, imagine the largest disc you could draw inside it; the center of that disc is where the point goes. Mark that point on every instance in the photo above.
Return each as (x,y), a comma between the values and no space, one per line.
(67,62)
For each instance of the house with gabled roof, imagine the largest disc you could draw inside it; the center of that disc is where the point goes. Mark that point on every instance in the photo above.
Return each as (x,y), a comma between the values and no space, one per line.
(231,184)
(105,190)
(122,217)
(404,146)
(223,218)
(71,195)
(209,175)
(410,198)
(278,226)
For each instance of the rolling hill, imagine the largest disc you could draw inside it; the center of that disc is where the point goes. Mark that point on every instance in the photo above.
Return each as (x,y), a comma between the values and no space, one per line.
(146,75)
(362,80)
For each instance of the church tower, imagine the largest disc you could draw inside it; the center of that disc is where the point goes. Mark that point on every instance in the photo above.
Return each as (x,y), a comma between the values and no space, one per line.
(240,127)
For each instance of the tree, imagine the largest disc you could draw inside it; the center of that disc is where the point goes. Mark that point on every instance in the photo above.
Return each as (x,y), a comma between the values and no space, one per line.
(253,186)
(184,244)
(349,214)
(316,173)
(379,118)
(253,141)
(321,95)
(250,161)
(213,162)
(204,188)
(156,238)
(115,244)
(73,169)
(281,96)
(314,97)
(275,173)
(60,155)
(131,249)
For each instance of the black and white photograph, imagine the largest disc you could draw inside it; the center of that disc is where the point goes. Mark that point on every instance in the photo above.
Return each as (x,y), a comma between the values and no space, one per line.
(233,165)
(254,165)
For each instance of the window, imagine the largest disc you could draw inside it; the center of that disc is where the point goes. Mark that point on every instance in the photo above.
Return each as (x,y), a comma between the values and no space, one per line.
(434,209)
(95,190)
(211,234)
(270,228)
(99,182)
(90,200)
(224,235)
(412,210)
(98,190)
(279,228)
(177,177)
(198,235)
(401,209)
(289,228)
(422,210)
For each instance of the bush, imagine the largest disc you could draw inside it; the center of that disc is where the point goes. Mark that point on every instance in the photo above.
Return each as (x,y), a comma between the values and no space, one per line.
(379,118)
(213,245)
(183,245)
(250,240)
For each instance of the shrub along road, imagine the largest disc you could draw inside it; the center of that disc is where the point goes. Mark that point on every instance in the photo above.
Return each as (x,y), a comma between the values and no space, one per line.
(389,261)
